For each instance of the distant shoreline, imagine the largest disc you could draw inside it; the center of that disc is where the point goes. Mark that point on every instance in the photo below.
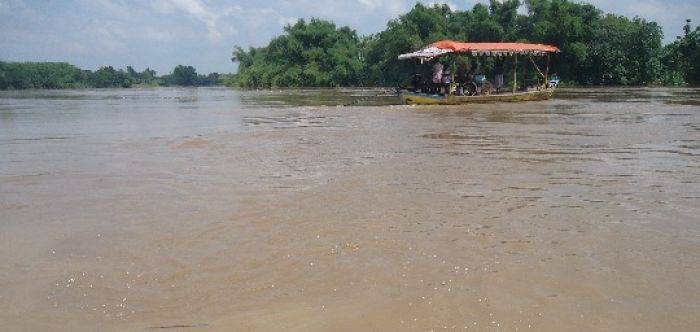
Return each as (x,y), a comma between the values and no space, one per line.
(63,75)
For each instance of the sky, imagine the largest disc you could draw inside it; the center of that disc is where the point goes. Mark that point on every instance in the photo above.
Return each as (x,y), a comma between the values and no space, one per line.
(160,34)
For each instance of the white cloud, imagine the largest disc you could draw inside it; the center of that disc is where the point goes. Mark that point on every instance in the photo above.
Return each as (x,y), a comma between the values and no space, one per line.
(162,6)
(7,6)
(205,15)
(452,6)
(370,4)
(111,37)
(670,14)
(158,35)
(284,21)
(4,7)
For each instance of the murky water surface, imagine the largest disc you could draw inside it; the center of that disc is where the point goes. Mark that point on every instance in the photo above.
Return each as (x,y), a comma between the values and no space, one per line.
(213,209)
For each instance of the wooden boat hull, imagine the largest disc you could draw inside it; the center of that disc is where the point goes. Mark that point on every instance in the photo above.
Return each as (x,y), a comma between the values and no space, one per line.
(412,98)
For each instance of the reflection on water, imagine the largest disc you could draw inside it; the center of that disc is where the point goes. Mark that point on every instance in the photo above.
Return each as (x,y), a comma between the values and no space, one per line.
(290,120)
(327,209)
(319,97)
(634,95)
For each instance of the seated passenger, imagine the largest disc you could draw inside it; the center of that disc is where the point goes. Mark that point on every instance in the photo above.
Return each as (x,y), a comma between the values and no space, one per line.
(461,78)
(416,83)
(446,80)
(472,72)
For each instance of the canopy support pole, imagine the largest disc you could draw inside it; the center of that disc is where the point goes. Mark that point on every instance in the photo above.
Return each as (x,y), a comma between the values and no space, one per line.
(537,68)
(515,73)
(452,72)
(546,73)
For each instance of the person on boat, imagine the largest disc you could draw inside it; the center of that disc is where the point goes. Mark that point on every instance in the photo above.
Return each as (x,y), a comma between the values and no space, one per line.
(466,79)
(498,75)
(416,83)
(437,76)
(472,71)
(461,78)
(446,80)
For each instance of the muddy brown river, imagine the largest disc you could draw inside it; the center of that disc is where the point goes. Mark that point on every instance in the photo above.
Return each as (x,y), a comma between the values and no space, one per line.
(334,210)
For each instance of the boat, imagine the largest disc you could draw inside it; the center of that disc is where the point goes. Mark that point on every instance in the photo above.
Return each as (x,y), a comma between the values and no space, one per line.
(417,98)
(480,90)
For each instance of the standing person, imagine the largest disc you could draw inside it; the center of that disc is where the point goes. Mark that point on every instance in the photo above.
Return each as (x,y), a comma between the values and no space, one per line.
(499,74)
(437,76)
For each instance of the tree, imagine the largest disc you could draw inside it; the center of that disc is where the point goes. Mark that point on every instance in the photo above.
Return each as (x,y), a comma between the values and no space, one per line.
(108,77)
(681,59)
(46,75)
(4,83)
(210,79)
(308,54)
(61,75)
(184,75)
(420,26)
(148,75)
(596,48)
(132,73)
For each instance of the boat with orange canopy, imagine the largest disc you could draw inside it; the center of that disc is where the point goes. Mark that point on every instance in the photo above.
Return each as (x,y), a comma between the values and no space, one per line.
(481,90)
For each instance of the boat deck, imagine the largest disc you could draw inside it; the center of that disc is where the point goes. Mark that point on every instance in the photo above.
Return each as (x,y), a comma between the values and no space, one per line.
(414,98)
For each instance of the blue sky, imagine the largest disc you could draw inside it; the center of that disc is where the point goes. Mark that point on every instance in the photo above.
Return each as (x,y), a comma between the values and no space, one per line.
(163,33)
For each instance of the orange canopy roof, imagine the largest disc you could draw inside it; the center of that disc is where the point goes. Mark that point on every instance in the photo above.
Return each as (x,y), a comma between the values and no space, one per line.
(494,47)
(443,47)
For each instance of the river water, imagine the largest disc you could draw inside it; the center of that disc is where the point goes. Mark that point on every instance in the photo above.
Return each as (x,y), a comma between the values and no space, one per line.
(215,209)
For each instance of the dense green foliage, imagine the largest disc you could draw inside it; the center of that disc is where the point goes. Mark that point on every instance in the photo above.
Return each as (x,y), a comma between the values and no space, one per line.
(184,75)
(597,48)
(61,75)
(108,77)
(682,58)
(50,75)
(313,54)
(146,77)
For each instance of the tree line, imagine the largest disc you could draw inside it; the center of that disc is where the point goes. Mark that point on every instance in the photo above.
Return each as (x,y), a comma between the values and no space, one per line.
(597,47)
(62,75)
